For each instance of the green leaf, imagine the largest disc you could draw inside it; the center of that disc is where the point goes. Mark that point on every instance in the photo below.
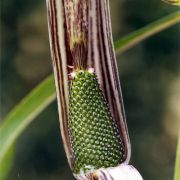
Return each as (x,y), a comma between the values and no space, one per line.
(177,166)
(172,2)
(7,163)
(39,98)
(136,37)
(23,114)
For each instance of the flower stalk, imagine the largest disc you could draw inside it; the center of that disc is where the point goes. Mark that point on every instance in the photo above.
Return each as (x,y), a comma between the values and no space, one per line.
(91,111)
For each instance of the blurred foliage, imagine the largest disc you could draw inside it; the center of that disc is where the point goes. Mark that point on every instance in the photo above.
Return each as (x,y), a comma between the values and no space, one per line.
(150,80)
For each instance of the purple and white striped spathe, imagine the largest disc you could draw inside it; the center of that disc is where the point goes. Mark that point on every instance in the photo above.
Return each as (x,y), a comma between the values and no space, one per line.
(80,37)
(121,172)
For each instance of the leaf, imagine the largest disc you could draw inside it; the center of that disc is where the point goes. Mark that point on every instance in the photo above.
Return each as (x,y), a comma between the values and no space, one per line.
(41,96)
(23,114)
(136,37)
(177,166)
(172,2)
(7,163)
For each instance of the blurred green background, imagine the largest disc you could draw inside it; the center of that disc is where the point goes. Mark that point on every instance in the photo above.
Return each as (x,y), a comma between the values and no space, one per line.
(150,80)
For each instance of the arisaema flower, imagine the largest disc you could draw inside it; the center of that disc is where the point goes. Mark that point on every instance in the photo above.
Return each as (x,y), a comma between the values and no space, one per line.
(91,111)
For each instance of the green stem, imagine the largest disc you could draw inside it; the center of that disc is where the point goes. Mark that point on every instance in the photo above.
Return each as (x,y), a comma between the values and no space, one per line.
(136,37)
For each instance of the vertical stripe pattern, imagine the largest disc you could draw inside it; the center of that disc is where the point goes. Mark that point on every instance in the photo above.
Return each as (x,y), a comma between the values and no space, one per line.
(81,37)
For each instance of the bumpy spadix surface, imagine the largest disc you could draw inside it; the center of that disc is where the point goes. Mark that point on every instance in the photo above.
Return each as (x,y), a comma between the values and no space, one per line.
(94,136)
